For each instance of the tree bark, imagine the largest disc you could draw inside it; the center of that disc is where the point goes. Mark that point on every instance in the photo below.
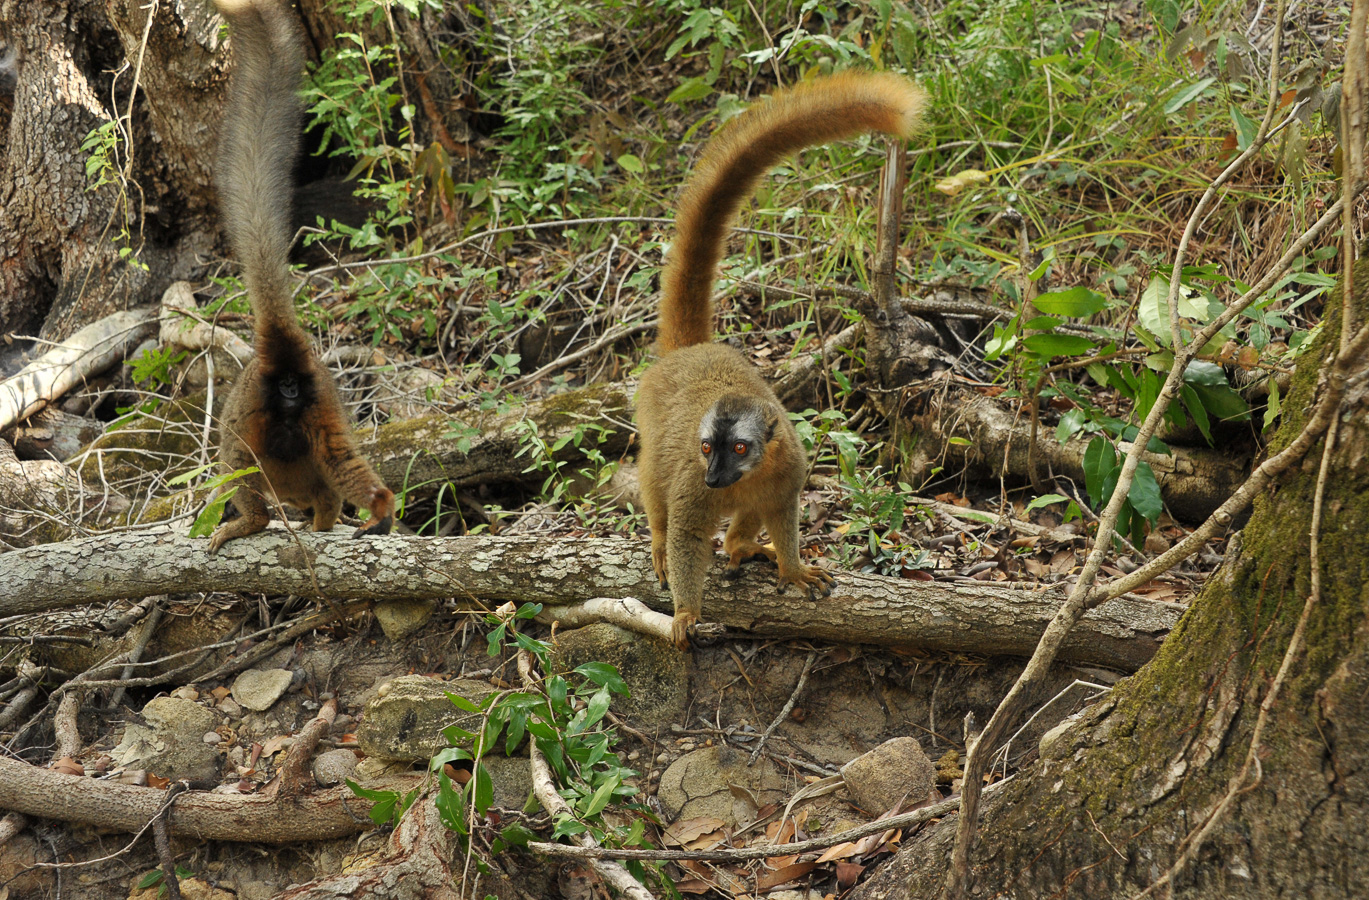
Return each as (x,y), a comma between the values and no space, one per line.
(1106,809)
(978,618)
(266,818)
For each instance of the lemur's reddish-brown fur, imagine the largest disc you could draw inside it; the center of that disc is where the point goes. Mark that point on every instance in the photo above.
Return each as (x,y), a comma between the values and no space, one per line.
(715,440)
(283,415)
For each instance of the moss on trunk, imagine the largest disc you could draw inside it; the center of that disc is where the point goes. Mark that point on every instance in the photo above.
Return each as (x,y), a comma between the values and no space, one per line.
(1104,811)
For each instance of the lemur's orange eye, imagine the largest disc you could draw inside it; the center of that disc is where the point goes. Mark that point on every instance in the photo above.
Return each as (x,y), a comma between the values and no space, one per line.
(707,447)
(739,448)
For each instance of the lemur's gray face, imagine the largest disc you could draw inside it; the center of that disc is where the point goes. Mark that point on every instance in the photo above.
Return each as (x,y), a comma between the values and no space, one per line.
(732,438)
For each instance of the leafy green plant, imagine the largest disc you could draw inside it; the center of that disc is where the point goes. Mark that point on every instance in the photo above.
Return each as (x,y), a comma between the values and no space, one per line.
(1102,465)
(564,716)
(212,514)
(103,169)
(155,364)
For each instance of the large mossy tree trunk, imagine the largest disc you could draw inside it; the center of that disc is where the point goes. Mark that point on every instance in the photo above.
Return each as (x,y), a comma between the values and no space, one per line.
(1107,808)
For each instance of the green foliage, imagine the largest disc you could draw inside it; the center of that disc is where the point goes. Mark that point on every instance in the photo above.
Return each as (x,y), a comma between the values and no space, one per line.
(564,716)
(390,806)
(1102,465)
(155,365)
(103,169)
(212,514)
(564,483)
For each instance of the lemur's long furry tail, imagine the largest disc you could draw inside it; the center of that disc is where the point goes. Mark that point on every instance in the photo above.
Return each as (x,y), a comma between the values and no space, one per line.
(815,112)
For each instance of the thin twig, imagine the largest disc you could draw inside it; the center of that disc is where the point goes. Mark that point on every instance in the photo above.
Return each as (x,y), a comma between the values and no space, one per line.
(788,706)
(740,854)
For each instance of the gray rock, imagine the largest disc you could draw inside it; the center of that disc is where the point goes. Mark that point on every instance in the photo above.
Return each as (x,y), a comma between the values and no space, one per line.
(716,782)
(400,618)
(334,766)
(512,780)
(172,746)
(406,720)
(653,670)
(169,715)
(259,689)
(895,770)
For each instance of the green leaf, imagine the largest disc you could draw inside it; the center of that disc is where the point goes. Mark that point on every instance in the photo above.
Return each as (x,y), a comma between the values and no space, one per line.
(483,788)
(1144,495)
(604,675)
(601,796)
(1246,128)
(1153,310)
(185,477)
(151,879)
(1200,371)
(566,826)
(1050,345)
(1194,404)
(1041,323)
(450,805)
(598,706)
(1223,403)
(631,164)
(462,703)
(1271,410)
(514,835)
(386,803)
(1077,302)
(1188,95)
(1046,500)
(212,515)
(693,89)
(1099,461)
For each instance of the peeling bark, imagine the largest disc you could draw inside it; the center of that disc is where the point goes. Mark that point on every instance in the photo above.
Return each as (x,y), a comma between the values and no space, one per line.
(981,618)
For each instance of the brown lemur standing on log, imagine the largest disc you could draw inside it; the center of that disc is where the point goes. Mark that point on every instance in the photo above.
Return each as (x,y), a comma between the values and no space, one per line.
(283,415)
(715,440)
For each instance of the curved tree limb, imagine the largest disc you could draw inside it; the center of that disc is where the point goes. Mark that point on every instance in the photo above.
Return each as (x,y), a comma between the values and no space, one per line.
(87,352)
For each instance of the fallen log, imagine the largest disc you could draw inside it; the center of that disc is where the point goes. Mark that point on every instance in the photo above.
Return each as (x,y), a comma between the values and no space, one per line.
(265,818)
(983,618)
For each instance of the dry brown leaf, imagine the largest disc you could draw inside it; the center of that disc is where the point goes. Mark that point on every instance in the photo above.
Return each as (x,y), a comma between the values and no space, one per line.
(719,879)
(68,766)
(685,830)
(273,745)
(157,781)
(693,886)
(847,873)
(784,875)
(840,851)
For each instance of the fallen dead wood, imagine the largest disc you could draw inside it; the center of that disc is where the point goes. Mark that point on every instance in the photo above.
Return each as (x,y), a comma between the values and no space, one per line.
(983,618)
(263,818)
(87,352)
(474,447)
(1193,481)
